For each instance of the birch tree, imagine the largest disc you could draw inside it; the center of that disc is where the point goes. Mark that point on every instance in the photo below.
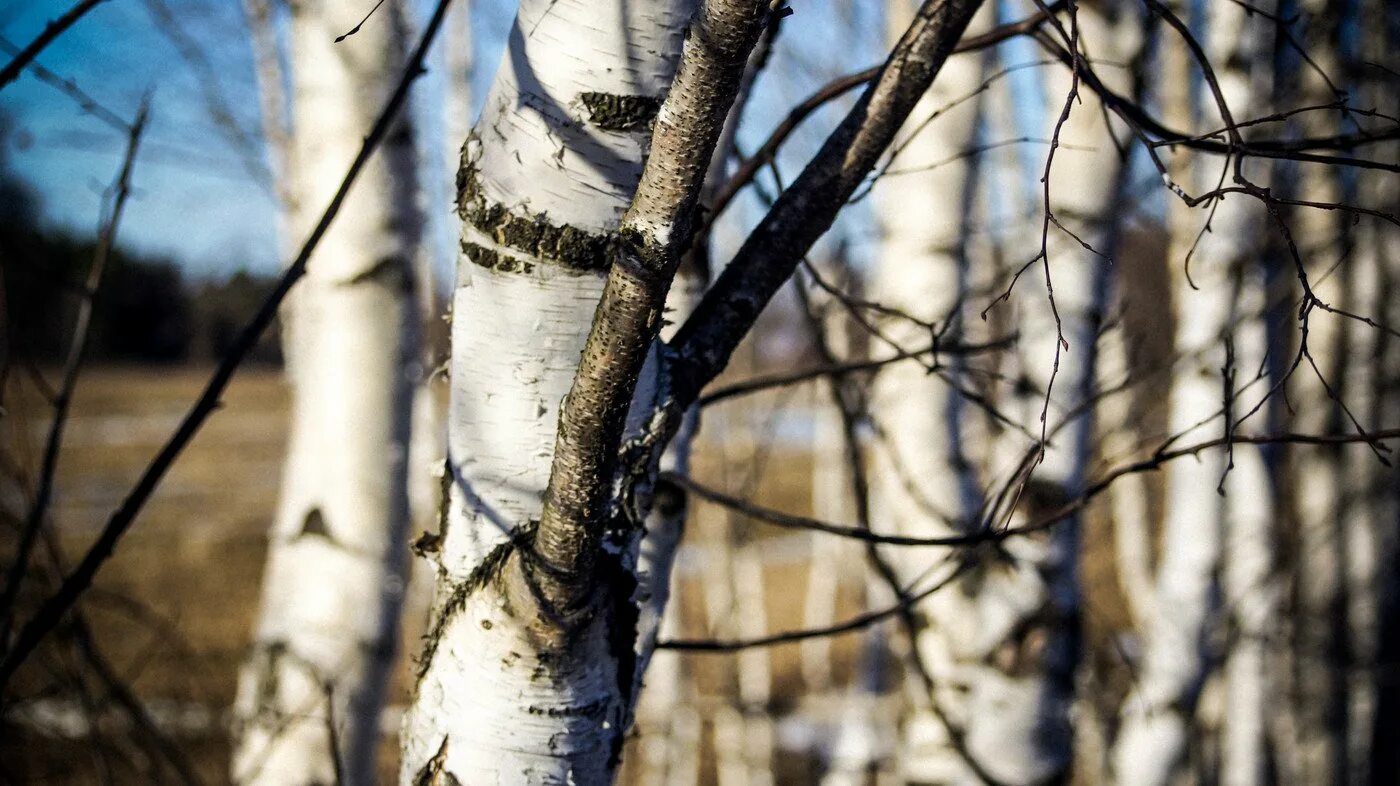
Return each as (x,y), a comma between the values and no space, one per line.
(529,669)
(327,631)
(916,485)
(1019,635)
(1209,327)
(550,673)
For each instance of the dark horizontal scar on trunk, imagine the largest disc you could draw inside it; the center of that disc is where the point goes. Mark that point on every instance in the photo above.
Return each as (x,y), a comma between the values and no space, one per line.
(615,112)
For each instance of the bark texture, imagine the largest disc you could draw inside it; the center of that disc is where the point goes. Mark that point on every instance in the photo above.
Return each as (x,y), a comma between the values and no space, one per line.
(531,667)
(332,589)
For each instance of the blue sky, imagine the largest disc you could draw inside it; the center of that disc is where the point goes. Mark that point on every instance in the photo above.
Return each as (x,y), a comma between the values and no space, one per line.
(195,199)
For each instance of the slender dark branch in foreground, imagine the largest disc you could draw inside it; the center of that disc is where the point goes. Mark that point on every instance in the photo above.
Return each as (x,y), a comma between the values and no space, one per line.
(853,624)
(838,87)
(63,397)
(359,24)
(990,534)
(52,30)
(53,610)
(767,382)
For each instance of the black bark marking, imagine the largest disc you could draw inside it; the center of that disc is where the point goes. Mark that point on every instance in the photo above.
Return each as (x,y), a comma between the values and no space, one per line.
(427,544)
(620,584)
(434,771)
(486,571)
(495,260)
(614,112)
(391,271)
(534,234)
(445,493)
(315,524)
(592,709)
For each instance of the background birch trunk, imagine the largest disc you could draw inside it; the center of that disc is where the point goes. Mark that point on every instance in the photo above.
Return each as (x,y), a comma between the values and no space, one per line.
(1028,611)
(545,178)
(1378,241)
(1250,578)
(1219,347)
(1321,644)
(915,483)
(1145,727)
(334,581)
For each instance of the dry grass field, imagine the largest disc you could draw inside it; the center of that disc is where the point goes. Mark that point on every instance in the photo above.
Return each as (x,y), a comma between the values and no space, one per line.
(173,610)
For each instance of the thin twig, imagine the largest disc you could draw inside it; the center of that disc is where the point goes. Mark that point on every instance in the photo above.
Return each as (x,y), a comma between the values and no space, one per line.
(996,534)
(51,31)
(77,351)
(769,381)
(852,624)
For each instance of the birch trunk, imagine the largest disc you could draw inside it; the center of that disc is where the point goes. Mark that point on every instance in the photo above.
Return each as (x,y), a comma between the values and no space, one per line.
(914,479)
(1381,492)
(825,576)
(1028,630)
(1158,715)
(333,585)
(504,696)
(1321,644)
(1249,576)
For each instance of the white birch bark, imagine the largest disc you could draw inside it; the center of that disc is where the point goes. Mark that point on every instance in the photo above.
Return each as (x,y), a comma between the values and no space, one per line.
(1120,440)
(830,502)
(1029,625)
(1321,638)
(914,482)
(735,586)
(334,580)
(1158,716)
(1250,580)
(549,171)
(831,497)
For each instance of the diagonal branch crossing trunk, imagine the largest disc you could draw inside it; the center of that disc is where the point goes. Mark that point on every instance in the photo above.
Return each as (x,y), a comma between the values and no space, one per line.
(334,581)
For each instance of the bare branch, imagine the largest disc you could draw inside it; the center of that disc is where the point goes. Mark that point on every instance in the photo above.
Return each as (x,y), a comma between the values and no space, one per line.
(758,384)
(52,30)
(805,209)
(838,87)
(77,351)
(855,623)
(655,233)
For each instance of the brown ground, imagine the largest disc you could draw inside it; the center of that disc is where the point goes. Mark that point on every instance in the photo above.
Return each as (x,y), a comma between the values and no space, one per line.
(173,609)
